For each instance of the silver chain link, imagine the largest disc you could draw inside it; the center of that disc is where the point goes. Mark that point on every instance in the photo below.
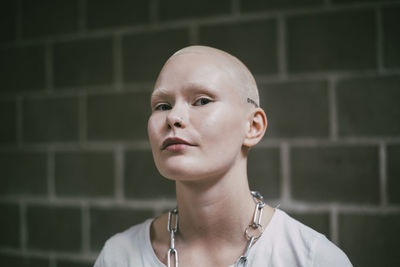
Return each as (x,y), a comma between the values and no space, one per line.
(173,216)
(255,227)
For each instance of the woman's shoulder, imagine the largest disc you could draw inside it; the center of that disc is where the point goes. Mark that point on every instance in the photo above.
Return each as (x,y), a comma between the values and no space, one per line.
(123,246)
(300,244)
(132,236)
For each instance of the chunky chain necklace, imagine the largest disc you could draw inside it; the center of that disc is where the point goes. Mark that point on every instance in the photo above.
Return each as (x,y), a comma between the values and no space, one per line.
(253,231)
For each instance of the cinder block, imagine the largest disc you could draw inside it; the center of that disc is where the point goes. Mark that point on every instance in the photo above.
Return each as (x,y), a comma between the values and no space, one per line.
(73,263)
(335,174)
(144,54)
(264,171)
(370,239)
(258,5)
(106,222)
(8,122)
(369,106)
(103,13)
(83,63)
(22,68)
(391,41)
(242,39)
(142,179)
(23,173)
(8,20)
(317,221)
(48,17)
(54,228)
(180,9)
(332,41)
(118,116)
(296,109)
(10,224)
(84,173)
(21,261)
(50,119)
(393,173)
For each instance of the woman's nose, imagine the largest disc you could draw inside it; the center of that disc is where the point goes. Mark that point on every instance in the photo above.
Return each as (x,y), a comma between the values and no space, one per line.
(176,118)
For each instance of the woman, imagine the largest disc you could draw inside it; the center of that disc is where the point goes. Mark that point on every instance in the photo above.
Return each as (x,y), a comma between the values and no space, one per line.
(205,118)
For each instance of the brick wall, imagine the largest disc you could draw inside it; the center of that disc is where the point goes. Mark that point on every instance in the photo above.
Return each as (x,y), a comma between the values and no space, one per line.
(75,76)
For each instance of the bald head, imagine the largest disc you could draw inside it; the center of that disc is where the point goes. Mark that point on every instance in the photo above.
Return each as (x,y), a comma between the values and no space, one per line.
(239,74)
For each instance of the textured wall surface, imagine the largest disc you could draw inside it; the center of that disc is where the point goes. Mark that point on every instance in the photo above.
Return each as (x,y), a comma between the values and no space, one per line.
(75,78)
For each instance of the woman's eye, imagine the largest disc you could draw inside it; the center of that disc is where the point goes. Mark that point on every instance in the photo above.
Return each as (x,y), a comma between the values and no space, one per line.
(202,101)
(163,107)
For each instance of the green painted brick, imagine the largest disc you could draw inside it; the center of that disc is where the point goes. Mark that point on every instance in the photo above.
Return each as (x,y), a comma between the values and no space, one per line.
(369,106)
(23,173)
(142,179)
(50,119)
(258,5)
(104,13)
(53,228)
(296,109)
(106,222)
(47,17)
(8,20)
(8,260)
(22,68)
(335,174)
(391,36)
(263,169)
(118,116)
(370,239)
(253,42)
(83,62)
(10,225)
(332,41)
(84,173)
(8,122)
(144,54)
(180,9)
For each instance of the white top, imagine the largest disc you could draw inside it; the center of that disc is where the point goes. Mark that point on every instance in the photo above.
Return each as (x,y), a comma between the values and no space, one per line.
(284,243)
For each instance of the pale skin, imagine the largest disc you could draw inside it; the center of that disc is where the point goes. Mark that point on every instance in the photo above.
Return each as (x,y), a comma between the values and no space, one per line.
(197,100)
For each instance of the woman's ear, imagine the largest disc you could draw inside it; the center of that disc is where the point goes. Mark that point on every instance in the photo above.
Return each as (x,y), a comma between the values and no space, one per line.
(257,126)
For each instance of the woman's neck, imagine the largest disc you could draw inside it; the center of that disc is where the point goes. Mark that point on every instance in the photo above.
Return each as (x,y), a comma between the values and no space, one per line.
(216,210)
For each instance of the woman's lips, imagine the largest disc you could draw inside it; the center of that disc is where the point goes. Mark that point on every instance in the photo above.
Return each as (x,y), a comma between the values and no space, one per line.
(174,144)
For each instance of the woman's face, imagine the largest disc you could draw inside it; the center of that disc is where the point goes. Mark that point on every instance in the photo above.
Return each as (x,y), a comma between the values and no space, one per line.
(198,121)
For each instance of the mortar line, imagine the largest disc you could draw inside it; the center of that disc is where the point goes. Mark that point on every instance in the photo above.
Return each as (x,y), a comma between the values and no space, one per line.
(333,111)
(52,260)
(379,41)
(193,34)
(281,46)
(383,174)
(153,11)
(85,221)
(285,173)
(235,7)
(334,225)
